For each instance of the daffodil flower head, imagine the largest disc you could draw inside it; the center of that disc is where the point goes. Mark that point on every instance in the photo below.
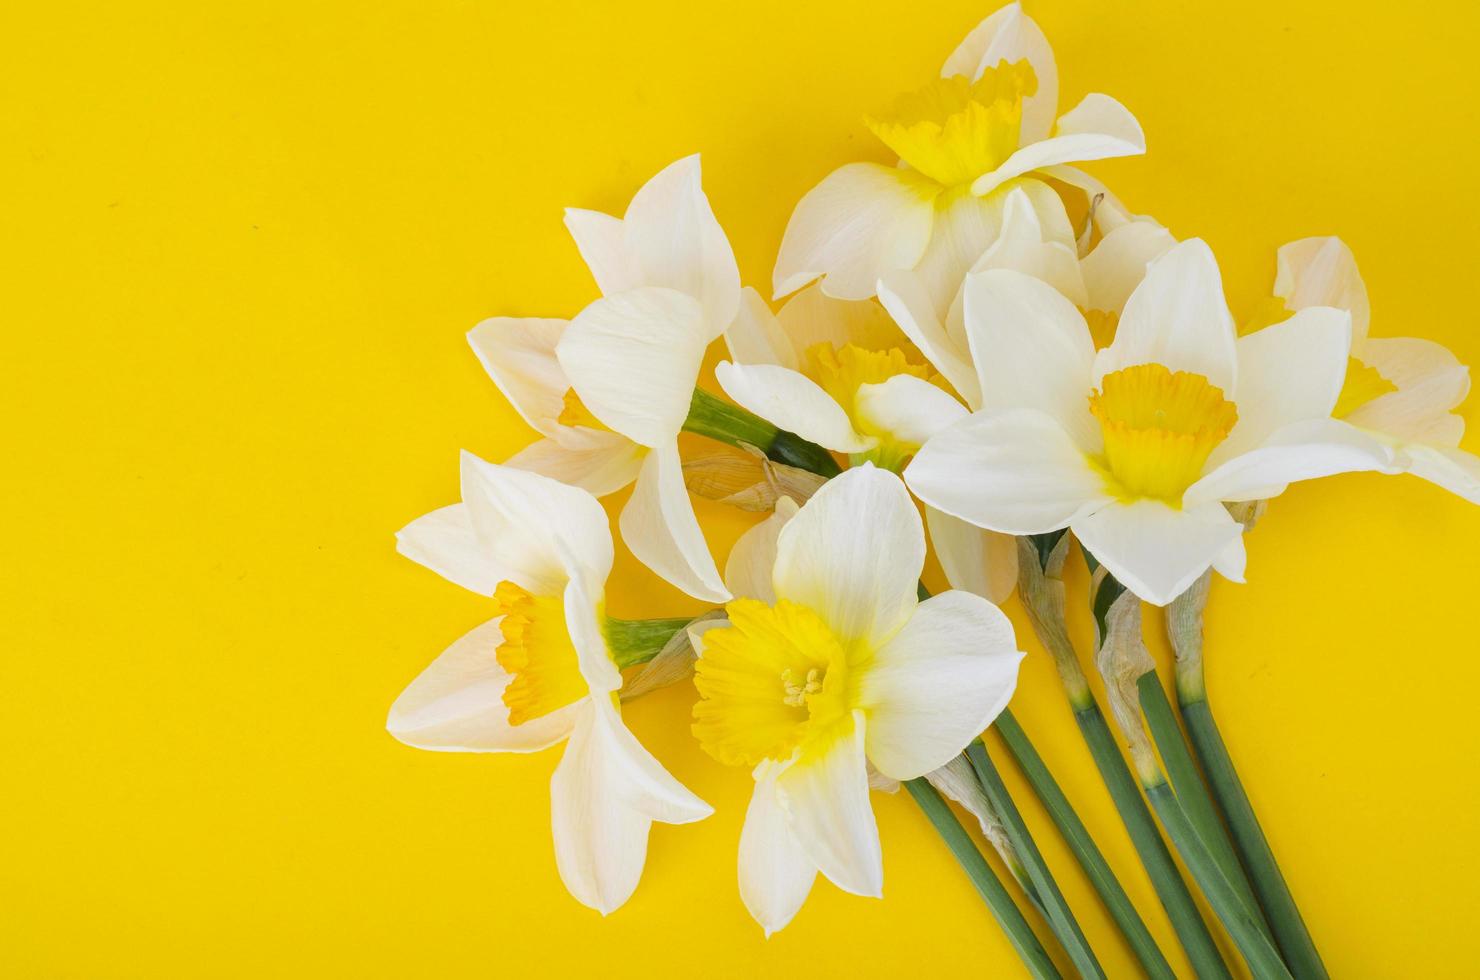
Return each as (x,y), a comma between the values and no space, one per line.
(610,389)
(540,671)
(1400,390)
(1136,447)
(827,665)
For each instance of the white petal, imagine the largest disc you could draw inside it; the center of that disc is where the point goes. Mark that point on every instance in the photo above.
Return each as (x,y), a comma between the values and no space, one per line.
(1022,246)
(1453,469)
(603,798)
(813,317)
(633,358)
(1177,318)
(542,531)
(965,226)
(853,554)
(973,558)
(792,401)
(1289,372)
(908,408)
(601,241)
(752,559)
(1098,128)
(582,603)
(1010,35)
(1116,266)
(519,355)
(862,221)
(1430,382)
(1016,472)
(672,235)
(775,873)
(938,683)
(1303,451)
(660,529)
(1231,560)
(1157,551)
(456,704)
(445,542)
(904,295)
(1322,272)
(598,462)
(756,335)
(1032,350)
(827,807)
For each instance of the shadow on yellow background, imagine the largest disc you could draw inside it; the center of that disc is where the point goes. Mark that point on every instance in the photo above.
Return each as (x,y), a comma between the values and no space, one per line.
(243,245)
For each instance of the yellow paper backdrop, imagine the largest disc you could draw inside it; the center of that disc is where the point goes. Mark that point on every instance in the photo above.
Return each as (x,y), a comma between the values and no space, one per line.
(242,244)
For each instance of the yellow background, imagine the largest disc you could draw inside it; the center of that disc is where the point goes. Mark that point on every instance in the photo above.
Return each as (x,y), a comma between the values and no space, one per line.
(242,245)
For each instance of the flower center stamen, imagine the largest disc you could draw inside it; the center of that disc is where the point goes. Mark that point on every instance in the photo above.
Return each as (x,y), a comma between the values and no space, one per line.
(537,652)
(954,130)
(1160,426)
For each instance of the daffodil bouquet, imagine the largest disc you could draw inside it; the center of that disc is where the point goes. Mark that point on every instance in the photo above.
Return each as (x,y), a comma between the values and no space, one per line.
(980,350)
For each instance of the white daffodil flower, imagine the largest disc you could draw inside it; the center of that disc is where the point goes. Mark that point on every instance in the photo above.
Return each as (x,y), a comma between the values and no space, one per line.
(832,665)
(1400,389)
(540,671)
(986,126)
(611,388)
(1136,447)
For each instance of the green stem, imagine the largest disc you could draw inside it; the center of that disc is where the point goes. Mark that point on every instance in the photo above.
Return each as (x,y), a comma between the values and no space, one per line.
(1106,885)
(636,641)
(1192,793)
(718,419)
(1157,860)
(1289,928)
(1050,898)
(984,879)
(1263,959)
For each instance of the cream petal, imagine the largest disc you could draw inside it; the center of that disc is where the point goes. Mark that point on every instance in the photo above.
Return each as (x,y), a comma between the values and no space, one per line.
(1022,246)
(756,335)
(660,529)
(1322,272)
(1453,469)
(965,226)
(938,684)
(974,559)
(598,462)
(1157,551)
(445,541)
(904,295)
(1177,318)
(519,355)
(1010,35)
(1302,451)
(1289,372)
(1098,128)
(863,220)
(1430,382)
(753,558)
(1016,472)
(1116,266)
(1409,361)
(602,243)
(776,875)
(813,317)
(633,358)
(827,808)
(792,401)
(908,408)
(456,704)
(853,554)
(542,531)
(1032,350)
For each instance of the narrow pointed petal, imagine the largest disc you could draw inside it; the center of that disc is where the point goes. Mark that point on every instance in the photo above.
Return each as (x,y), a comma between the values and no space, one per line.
(633,358)
(600,240)
(1023,247)
(853,554)
(456,704)
(938,684)
(519,355)
(756,336)
(827,807)
(1302,451)
(1157,551)
(862,221)
(659,527)
(598,462)
(445,542)
(973,558)
(792,401)
(776,875)
(1178,318)
(1098,128)
(753,558)
(1016,472)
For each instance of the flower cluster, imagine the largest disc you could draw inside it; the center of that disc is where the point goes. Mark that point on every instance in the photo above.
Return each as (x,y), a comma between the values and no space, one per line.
(979,350)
